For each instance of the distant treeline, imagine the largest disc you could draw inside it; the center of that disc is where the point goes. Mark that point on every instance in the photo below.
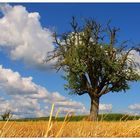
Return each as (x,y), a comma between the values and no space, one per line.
(102,117)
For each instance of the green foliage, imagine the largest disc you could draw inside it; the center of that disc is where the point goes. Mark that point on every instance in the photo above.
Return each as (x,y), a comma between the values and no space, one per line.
(91,64)
(101,117)
(118,117)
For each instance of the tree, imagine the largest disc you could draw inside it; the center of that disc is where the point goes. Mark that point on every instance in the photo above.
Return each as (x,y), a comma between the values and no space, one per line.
(93,64)
(6,115)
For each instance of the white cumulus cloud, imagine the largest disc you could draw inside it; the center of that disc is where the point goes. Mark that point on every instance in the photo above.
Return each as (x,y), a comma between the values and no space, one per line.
(135,57)
(25,98)
(134,107)
(105,107)
(23,36)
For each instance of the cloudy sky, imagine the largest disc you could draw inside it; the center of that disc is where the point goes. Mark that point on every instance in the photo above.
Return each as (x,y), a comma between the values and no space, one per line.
(28,87)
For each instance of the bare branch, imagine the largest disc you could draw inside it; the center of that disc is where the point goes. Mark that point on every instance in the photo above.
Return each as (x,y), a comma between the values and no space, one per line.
(74,24)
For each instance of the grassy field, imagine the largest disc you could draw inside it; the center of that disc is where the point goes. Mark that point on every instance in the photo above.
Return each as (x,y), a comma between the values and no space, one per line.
(102,117)
(70,129)
(109,125)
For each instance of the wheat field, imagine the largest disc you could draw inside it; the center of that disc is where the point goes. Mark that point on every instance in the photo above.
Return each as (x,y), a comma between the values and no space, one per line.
(66,128)
(70,129)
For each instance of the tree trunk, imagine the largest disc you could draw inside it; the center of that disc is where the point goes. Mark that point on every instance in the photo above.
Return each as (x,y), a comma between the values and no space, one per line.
(94,109)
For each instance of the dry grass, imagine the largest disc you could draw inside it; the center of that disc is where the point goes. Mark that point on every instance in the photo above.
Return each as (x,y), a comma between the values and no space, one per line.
(70,129)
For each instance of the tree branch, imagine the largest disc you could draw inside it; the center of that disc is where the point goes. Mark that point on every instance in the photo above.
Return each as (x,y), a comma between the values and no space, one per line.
(81,93)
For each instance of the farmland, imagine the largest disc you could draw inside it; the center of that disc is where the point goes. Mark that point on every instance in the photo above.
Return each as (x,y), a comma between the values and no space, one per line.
(65,127)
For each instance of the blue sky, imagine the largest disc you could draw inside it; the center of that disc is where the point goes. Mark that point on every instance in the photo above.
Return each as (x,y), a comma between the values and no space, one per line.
(57,16)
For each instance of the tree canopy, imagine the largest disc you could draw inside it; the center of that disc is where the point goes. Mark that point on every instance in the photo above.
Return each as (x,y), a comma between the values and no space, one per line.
(6,115)
(93,61)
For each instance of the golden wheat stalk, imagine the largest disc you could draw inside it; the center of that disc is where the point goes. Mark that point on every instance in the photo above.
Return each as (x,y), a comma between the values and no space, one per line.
(1,131)
(63,125)
(57,113)
(49,123)
(7,130)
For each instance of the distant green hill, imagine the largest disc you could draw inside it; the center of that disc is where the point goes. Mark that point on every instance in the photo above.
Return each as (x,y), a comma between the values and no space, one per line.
(102,117)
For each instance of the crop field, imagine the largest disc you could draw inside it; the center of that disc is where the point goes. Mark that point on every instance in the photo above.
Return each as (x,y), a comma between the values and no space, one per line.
(108,125)
(70,129)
